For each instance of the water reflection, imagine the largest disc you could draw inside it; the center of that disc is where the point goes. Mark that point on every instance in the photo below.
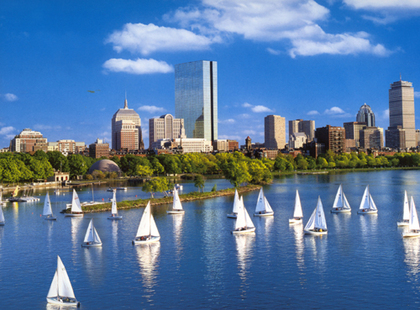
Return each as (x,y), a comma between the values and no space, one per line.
(148,258)
(412,257)
(341,222)
(318,248)
(93,263)
(299,234)
(59,307)
(244,245)
(177,222)
(114,228)
(368,226)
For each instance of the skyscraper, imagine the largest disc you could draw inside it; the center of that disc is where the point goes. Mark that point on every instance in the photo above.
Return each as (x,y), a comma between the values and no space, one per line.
(196,98)
(365,115)
(165,127)
(274,132)
(401,114)
(299,125)
(126,130)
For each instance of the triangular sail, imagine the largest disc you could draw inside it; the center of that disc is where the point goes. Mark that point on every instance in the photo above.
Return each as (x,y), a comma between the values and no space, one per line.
(47,205)
(240,218)
(413,223)
(176,205)
(311,223)
(346,203)
(16,191)
(1,214)
(91,234)
(260,202)
(75,203)
(298,206)
(236,202)
(249,223)
(147,224)
(372,204)
(320,216)
(53,292)
(406,209)
(153,228)
(64,285)
(114,203)
(364,204)
(267,206)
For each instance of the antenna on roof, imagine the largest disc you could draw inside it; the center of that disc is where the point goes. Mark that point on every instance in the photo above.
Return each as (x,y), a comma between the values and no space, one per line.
(400,76)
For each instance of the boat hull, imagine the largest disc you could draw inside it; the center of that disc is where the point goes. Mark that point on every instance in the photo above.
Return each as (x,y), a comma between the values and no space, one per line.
(73,215)
(367,212)
(264,214)
(91,244)
(50,218)
(315,233)
(1,223)
(117,217)
(175,211)
(339,210)
(55,301)
(245,231)
(295,221)
(411,234)
(402,224)
(151,240)
(232,216)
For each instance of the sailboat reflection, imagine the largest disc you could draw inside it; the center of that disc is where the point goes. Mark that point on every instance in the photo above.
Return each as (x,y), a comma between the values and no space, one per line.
(412,257)
(148,258)
(299,245)
(93,263)
(244,249)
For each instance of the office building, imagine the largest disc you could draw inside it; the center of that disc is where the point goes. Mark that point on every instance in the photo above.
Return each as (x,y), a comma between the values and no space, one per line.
(165,127)
(372,138)
(365,115)
(353,131)
(395,137)
(401,115)
(274,132)
(332,137)
(29,141)
(98,149)
(188,145)
(297,140)
(196,98)
(299,125)
(126,130)
(225,145)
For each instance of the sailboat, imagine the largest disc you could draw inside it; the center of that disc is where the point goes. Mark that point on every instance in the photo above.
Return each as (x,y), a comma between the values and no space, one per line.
(367,205)
(317,224)
(243,224)
(1,216)
(341,205)
(47,213)
(176,205)
(93,202)
(406,212)
(236,203)
(76,208)
(2,203)
(61,291)
(114,213)
(413,225)
(297,213)
(91,237)
(15,192)
(263,208)
(147,231)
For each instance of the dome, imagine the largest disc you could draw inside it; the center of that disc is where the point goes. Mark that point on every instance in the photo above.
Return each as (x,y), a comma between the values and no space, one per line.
(365,108)
(105,165)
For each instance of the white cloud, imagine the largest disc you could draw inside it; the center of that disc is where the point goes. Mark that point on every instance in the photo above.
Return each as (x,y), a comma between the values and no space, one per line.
(417,94)
(46,127)
(244,116)
(383,4)
(232,137)
(313,112)
(145,39)
(260,109)
(10,97)
(7,130)
(334,110)
(227,121)
(151,109)
(385,114)
(139,66)
(249,132)
(247,105)
(273,52)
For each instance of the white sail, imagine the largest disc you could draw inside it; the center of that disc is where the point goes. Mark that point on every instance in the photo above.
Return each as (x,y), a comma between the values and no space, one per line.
(147,224)
(61,285)
(406,209)
(91,234)
(75,203)
(298,207)
(176,205)
(346,203)
(364,204)
(260,202)
(47,206)
(311,222)
(372,204)
(236,202)
(114,203)
(413,223)
(240,218)
(317,219)
(340,201)
(1,214)
(249,223)
(267,206)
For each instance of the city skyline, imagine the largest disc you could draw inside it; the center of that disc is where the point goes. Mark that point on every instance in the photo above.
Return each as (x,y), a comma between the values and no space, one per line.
(65,67)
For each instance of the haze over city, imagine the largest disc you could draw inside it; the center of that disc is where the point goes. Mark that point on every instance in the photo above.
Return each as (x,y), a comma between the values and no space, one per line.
(66,67)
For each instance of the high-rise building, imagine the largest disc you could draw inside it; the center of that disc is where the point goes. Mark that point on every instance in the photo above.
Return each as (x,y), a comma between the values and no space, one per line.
(353,131)
(98,149)
(365,115)
(372,138)
(401,113)
(165,127)
(274,132)
(196,98)
(126,130)
(299,125)
(28,141)
(333,138)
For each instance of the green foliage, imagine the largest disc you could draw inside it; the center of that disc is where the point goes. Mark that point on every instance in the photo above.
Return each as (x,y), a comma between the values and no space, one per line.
(144,171)
(77,165)
(58,161)
(214,188)
(88,176)
(98,174)
(156,185)
(199,182)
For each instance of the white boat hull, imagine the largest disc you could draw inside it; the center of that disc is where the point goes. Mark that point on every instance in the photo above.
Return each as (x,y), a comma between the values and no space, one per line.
(73,215)
(118,217)
(315,233)
(55,301)
(367,212)
(91,244)
(245,231)
(411,234)
(151,240)
(264,214)
(295,221)
(340,210)
(402,224)
(232,216)
(175,211)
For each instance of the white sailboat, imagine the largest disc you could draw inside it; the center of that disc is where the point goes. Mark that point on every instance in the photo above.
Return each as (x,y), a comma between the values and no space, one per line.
(297,213)
(176,205)
(236,202)
(263,208)
(91,236)
(1,216)
(243,224)
(147,231)
(367,205)
(47,213)
(413,222)
(76,208)
(2,203)
(341,205)
(114,212)
(406,212)
(317,224)
(61,291)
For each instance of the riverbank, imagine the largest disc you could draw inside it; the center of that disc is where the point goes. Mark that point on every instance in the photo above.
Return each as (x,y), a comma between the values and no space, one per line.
(141,203)
(339,170)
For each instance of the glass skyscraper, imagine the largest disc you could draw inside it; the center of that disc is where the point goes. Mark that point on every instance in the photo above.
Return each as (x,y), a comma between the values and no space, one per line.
(196,98)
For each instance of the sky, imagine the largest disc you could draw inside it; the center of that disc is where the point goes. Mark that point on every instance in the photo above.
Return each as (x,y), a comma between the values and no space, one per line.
(66,66)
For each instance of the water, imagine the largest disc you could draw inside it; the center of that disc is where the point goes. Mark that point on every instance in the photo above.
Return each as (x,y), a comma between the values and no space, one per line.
(363,262)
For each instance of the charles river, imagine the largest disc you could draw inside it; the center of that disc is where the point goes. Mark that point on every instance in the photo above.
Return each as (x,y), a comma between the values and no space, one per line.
(363,262)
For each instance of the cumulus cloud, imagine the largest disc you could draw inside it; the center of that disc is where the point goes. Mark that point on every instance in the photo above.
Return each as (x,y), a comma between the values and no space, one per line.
(227,121)
(313,112)
(6,131)
(273,52)
(417,94)
(385,114)
(247,105)
(244,116)
(145,39)
(151,109)
(334,110)
(257,108)
(139,66)
(383,4)
(10,97)
(249,132)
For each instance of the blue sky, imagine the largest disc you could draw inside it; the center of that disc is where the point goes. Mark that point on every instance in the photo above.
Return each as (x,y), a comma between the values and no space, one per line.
(305,59)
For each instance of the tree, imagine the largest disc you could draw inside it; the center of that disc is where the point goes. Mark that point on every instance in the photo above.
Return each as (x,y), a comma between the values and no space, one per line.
(144,171)
(259,172)
(214,188)
(156,185)
(199,182)
(58,161)
(98,174)
(237,173)
(77,165)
